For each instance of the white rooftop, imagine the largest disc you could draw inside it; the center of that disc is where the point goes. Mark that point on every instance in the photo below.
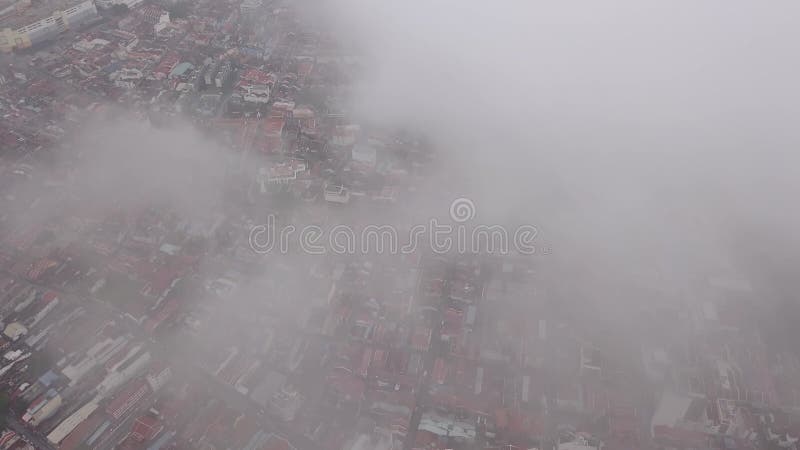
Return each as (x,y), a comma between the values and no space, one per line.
(671,409)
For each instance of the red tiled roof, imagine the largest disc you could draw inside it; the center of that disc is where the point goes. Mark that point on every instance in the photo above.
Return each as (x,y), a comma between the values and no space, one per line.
(40,267)
(164,313)
(128,397)
(256,76)
(421,339)
(146,428)
(273,126)
(347,384)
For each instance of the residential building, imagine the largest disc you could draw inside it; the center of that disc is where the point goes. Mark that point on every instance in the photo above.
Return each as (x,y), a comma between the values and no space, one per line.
(24,23)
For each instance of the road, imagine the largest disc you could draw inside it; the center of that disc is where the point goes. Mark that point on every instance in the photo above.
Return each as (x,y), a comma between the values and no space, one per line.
(422,394)
(185,367)
(182,363)
(31,436)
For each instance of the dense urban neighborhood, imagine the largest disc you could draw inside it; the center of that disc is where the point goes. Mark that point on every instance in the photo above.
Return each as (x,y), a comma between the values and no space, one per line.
(141,322)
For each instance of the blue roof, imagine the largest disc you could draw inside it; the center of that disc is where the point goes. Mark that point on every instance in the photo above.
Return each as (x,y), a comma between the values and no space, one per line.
(162,441)
(48,378)
(113,67)
(98,432)
(180,69)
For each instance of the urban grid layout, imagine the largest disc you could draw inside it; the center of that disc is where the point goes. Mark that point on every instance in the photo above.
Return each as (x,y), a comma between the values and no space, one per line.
(147,147)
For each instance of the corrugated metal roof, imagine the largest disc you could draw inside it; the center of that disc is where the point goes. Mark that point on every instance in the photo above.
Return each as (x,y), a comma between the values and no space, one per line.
(180,69)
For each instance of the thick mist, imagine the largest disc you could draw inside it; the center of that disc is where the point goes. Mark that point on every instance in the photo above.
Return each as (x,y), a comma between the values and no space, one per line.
(642,137)
(126,162)
(653,144)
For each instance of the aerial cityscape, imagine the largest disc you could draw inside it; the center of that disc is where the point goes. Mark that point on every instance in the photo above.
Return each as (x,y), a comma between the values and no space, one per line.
(354,225)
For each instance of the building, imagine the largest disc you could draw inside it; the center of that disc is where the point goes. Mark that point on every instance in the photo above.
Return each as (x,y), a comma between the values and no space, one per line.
(679,421)
(387,194)
(70,423)
(146,427)
(151,14)
(345,135)
(127,398)
(271,134)
(158,376)
(126,78)
(97,354)
(165,66)
(120,375)
(15,330)
(210,74)
(254,85)
(224,76)
(87,433)
(181,70)
(165,439)
(24,23)
(51,304)
(249,7)
(284,173)
(365,154)
(46,411)
(42,408)
(256,94)
(286,403)
(446,426)
(162,24)
(337,194)
(580,443)
(8,438)
(110,3)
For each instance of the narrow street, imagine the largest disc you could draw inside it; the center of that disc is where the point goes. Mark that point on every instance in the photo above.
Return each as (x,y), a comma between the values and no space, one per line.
(31,436)
(422,394)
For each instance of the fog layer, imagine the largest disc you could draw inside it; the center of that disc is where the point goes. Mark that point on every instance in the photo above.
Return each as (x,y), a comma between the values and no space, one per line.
(628,130)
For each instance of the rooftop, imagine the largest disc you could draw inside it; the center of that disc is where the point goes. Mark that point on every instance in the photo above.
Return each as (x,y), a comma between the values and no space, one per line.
(672,409)
(16,14)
